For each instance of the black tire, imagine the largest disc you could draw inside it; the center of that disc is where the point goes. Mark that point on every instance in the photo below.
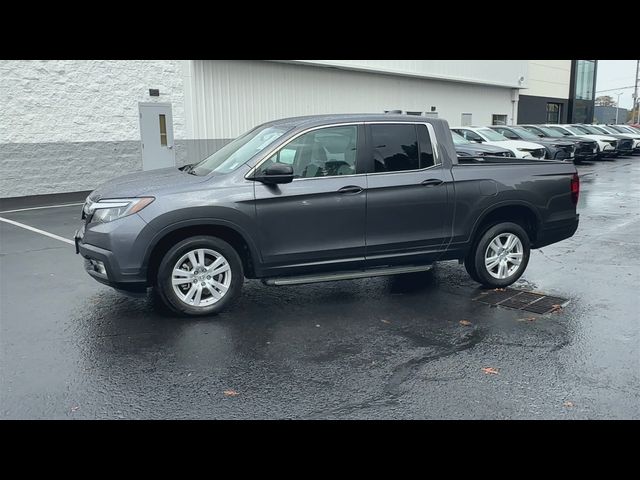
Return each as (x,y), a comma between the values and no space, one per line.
(164,286)
(480,248)
(470,267)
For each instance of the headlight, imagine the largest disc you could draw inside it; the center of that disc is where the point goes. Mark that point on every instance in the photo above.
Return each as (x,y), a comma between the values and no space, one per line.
(525,149)
(114,208)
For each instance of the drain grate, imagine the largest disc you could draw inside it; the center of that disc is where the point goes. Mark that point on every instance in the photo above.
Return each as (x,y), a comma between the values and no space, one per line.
(520,300)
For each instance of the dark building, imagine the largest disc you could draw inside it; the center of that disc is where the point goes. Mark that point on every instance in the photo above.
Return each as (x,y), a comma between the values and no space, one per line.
(559,92)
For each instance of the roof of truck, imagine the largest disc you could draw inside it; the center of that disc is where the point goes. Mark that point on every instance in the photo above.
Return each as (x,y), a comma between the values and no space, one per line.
(310,120)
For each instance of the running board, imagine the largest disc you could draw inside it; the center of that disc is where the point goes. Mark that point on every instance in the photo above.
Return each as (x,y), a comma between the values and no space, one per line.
(329,277)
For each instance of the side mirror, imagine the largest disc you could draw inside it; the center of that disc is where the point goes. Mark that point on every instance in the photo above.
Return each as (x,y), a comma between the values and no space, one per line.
(276,173)
(478,140)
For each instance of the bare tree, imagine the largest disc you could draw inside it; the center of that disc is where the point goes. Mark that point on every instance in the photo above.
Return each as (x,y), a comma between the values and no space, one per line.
(605,101)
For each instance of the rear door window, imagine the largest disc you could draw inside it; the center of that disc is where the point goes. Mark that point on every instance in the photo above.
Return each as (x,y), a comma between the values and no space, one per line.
(398,147)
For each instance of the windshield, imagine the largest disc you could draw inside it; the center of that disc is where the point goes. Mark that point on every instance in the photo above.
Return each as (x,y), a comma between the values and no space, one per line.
(621,129)
(578,130)
(239,151)
(525,134)
(560,130)
(492,135)
(459,139)
(608,129)
(551,132)
(582,129)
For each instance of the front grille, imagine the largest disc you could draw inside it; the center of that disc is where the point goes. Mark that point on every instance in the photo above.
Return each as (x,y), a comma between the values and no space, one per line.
(586,148)
(625,144)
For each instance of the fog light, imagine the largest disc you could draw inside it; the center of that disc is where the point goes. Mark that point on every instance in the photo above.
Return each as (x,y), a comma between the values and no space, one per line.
(98,266)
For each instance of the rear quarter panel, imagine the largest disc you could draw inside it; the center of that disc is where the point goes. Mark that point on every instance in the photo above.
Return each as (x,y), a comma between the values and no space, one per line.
(544,187)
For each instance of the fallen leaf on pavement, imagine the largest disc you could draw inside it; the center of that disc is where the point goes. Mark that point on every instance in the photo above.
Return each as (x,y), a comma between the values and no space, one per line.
(499,290)
(75,409)
(568,404)
(318,326)
(490,371)
(527,319)
(555,308)
(466,323)
(230,393)
(385,321)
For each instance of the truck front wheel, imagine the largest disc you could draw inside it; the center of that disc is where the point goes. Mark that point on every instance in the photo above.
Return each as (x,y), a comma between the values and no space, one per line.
(200,275)
(501,255)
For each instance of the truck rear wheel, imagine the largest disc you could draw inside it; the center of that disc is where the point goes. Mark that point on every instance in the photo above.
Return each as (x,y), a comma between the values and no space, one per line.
(501,255)
(200,275)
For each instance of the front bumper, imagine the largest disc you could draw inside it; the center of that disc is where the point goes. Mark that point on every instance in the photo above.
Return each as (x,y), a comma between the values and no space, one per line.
(113,276)
(556,231)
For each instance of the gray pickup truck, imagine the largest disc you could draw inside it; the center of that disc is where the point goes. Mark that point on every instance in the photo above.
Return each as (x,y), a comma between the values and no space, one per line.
(320,198)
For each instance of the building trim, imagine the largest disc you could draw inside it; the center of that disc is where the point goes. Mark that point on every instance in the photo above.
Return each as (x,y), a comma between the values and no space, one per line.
(403,73)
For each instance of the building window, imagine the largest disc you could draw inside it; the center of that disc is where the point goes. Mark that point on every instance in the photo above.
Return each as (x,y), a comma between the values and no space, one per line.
(163,130)
(466,120)
(498,119)
(553,112)
(585,79)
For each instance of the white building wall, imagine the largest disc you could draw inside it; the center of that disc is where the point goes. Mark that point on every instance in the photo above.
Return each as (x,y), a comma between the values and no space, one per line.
(229,97)
(84,100)
(504,73)
(549,78)
(70,125)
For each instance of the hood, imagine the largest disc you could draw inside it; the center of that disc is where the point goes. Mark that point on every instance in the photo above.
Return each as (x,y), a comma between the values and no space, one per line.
(602,138)
(515,144)
(620,136)
(144,183)
(479,148)
(556,141)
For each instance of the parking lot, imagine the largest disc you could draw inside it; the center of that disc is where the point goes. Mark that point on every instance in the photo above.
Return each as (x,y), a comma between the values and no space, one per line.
(414,346)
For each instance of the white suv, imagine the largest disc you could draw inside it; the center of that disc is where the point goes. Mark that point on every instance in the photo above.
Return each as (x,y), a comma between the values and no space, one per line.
(606,145)
(520,148)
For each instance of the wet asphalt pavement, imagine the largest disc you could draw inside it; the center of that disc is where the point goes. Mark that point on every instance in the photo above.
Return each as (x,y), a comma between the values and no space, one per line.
(383,348)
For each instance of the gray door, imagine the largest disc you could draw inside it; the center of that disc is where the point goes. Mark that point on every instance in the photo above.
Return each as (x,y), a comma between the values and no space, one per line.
(156,131)
(408,216)
(316,222)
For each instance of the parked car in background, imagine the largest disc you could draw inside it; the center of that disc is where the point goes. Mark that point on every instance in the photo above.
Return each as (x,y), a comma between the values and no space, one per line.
(586,148)
(557,149)
(465,148)
(490,137)
(320,198)
(625,142)
(629,132)
(607,145)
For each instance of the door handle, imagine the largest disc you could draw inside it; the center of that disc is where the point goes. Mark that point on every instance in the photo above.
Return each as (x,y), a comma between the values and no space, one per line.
(350,189)
(432,182)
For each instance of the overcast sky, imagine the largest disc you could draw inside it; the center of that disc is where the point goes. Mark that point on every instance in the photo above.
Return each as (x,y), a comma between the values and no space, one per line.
(617,74)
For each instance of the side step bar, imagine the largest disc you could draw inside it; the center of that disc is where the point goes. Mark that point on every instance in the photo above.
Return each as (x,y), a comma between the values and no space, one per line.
(329,277)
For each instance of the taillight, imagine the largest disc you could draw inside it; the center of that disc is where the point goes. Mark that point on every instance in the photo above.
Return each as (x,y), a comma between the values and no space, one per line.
(575,188)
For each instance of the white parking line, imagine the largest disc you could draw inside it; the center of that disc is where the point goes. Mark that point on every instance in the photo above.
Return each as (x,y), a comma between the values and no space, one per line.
(40,208)
(37,230)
